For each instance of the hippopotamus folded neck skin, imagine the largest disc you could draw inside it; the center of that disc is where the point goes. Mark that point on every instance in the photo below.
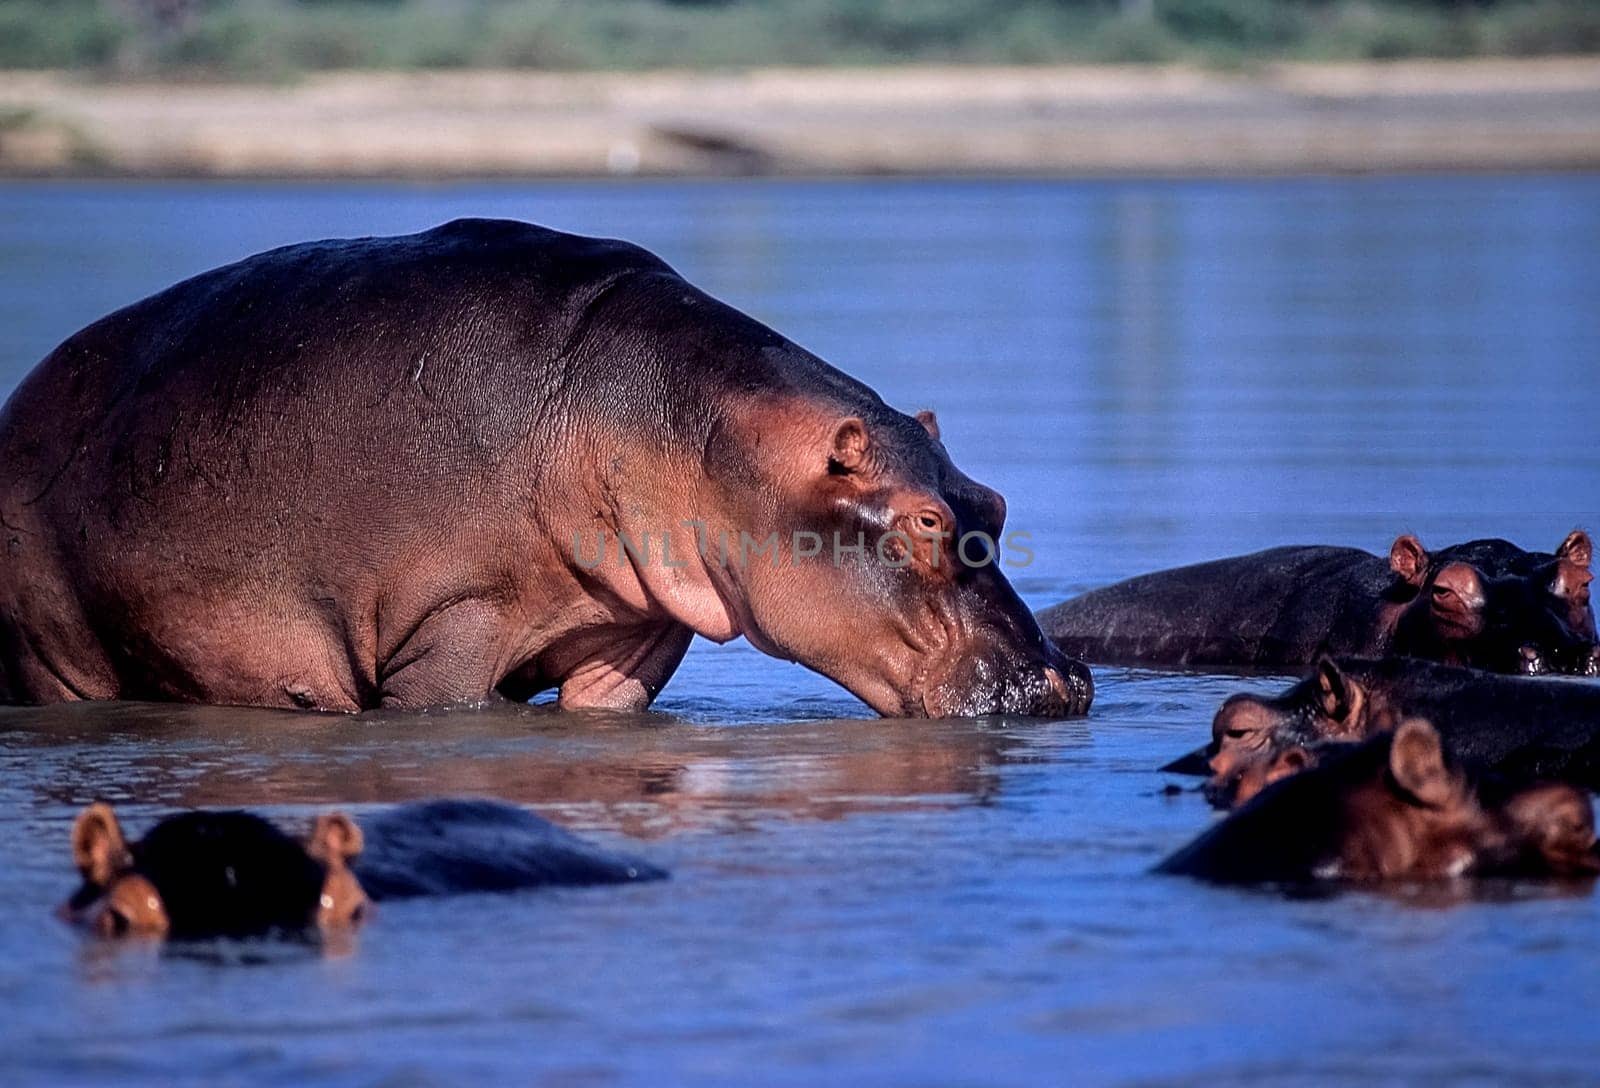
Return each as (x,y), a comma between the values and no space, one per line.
(485,458)
(1517,728)
(1394,807)
(208,874)
(1486,604)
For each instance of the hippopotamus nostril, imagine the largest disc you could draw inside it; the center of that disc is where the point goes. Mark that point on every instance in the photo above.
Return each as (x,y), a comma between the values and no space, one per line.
(1071,685)
(1057,683)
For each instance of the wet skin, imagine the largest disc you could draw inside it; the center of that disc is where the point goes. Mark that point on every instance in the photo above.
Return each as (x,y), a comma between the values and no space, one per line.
(1394,807)
(1486,604)
(207,874)
(1518,728)
(381,472)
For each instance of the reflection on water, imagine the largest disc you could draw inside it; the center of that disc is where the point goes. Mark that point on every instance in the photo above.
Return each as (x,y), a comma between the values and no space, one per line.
(1151,373)
(646,775)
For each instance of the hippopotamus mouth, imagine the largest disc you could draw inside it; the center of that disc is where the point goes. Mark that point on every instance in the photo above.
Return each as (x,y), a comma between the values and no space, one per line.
(1581,661)
(1059,687)
(1073,685)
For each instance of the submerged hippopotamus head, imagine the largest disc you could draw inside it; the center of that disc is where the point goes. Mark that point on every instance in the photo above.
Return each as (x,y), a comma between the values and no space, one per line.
(1490,605)
(1258,739)
(214,874)
(1394,808)
(886,572)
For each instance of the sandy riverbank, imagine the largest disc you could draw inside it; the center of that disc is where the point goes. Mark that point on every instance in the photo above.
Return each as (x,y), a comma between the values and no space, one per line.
(1419,116)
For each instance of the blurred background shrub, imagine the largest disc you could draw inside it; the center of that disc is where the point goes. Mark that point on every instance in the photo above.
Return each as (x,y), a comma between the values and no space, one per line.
(274,38)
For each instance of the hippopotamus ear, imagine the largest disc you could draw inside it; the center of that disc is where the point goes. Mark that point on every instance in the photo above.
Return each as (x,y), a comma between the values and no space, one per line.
(930,423)
(1290,761)
(98,848)
(848,450)
(1333,690)
(1416,761)
(1571,582)
(1408,559)
(1557,822)
(1577,548)
(335,839)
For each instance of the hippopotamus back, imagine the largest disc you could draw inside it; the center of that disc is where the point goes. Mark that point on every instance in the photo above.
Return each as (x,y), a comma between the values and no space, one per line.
(453,846)
(1275,606)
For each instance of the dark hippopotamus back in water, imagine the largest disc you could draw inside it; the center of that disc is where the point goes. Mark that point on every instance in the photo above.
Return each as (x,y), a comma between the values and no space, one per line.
(447,847)
(1486,604)
(485,458)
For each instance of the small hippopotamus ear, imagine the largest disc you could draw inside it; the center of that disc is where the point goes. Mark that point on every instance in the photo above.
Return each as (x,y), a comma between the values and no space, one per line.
(1290,761)
(1576,549)
(335,838)
(930,423)
(1271,768)
(1571,582)
(847,451)
(1416,762)
(98,848)
(1408,559)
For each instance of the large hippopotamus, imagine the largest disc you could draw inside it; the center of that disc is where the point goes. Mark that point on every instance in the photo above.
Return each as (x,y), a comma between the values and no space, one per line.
(487,458)
(1486,604)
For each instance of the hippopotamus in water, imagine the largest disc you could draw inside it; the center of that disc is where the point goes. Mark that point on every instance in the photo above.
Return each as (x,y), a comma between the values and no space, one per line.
(487,458)
(1515,727)
(1486,604)
(233,874)
(1395,807)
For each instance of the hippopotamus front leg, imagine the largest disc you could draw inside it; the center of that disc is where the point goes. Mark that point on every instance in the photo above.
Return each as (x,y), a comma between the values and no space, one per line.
(610,668)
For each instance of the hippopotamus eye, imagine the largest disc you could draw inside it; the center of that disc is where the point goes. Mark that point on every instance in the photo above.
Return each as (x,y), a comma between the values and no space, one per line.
(930,522)
(1442,592)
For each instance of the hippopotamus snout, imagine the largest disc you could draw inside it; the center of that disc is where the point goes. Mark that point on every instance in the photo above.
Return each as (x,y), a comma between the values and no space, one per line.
(1044,683)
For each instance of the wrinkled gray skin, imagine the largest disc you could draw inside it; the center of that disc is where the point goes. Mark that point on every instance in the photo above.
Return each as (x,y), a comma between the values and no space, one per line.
(368,472)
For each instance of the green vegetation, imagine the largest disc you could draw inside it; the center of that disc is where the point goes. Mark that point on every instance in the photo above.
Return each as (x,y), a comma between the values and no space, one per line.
(255,38)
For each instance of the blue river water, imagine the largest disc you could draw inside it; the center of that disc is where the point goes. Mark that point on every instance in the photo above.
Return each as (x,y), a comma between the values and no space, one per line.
(1152,373)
